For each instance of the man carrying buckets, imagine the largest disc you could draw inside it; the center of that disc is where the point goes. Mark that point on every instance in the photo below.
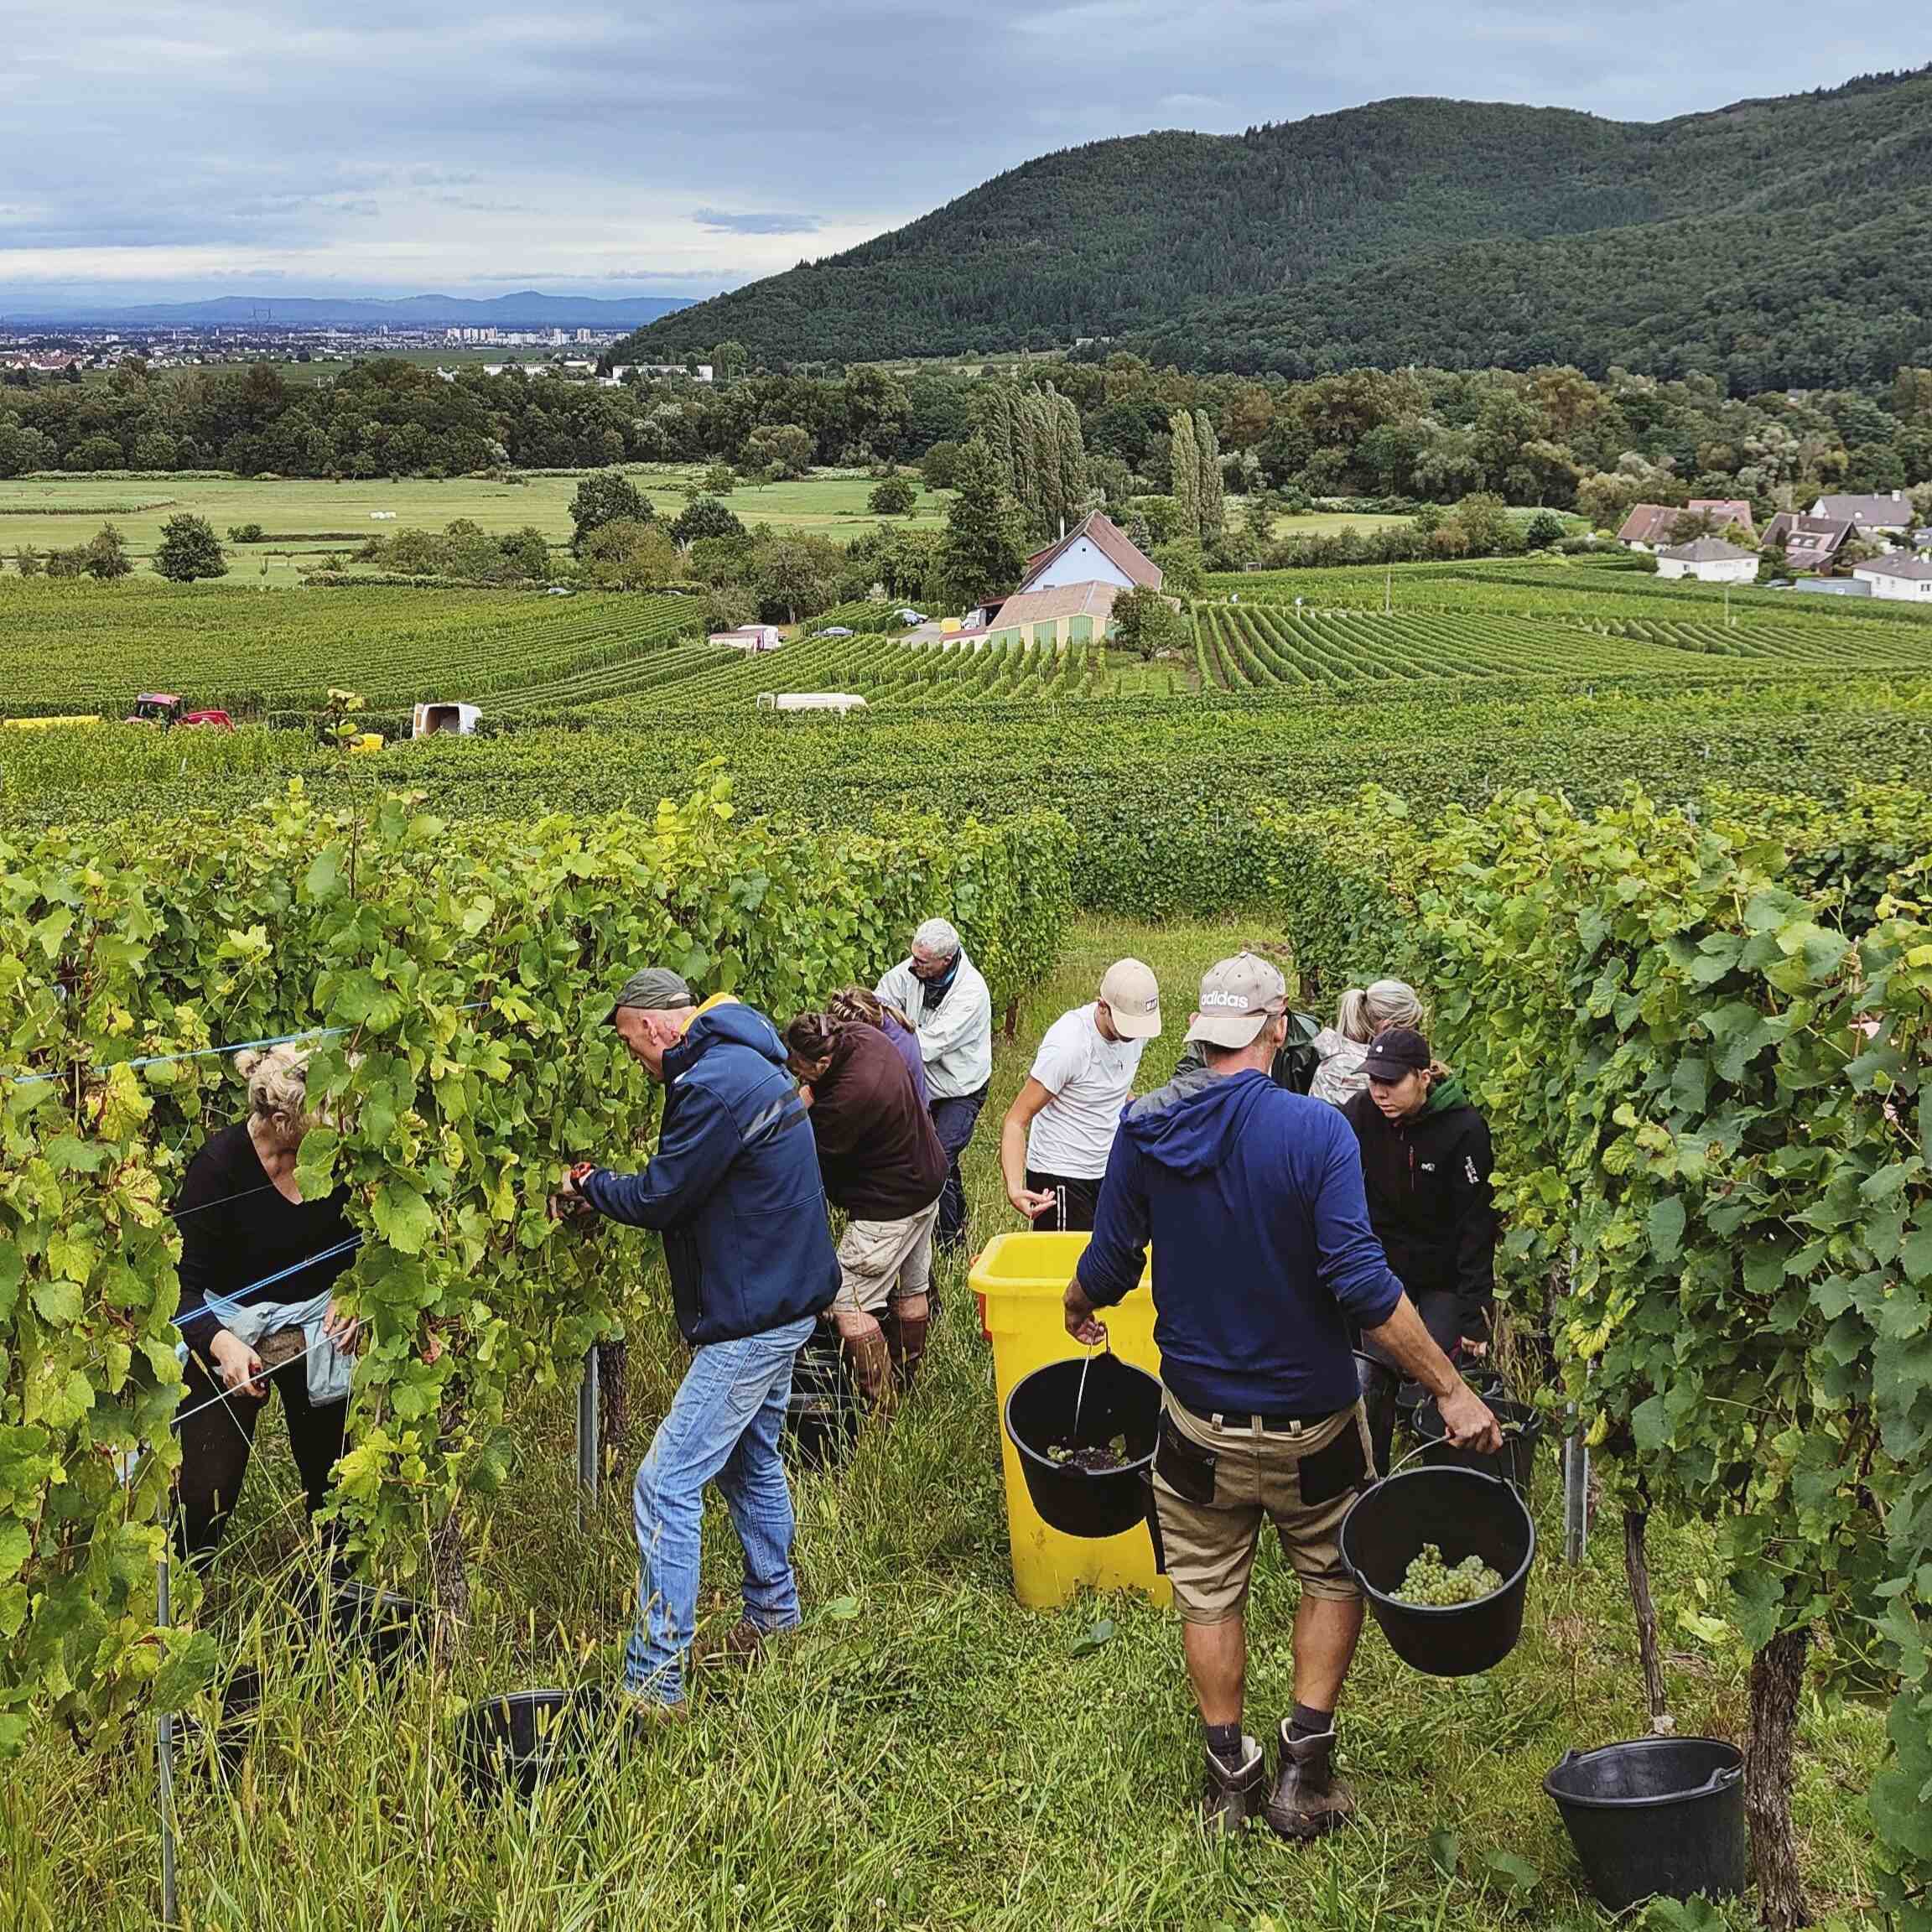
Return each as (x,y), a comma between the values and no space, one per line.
(1252,1198)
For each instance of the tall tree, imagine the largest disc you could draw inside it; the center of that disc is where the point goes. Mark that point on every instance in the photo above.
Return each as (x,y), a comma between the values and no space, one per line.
(1073,479)
(1213,505)
(1184,462)
(608,497)
(983,549)
(189,549)
(105,556)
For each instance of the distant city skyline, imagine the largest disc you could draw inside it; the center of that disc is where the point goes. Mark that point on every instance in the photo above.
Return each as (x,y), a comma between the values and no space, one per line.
(387,150)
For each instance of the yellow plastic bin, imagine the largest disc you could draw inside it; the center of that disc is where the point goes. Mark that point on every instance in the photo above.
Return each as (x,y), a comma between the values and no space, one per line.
(1020,1280)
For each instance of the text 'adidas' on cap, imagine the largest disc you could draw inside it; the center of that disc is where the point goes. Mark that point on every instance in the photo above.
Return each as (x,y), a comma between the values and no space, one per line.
(1238,997)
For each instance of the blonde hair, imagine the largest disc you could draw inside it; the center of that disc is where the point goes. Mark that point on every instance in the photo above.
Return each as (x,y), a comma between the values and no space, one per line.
(278,1079)
(1388,1003)
(856,1003)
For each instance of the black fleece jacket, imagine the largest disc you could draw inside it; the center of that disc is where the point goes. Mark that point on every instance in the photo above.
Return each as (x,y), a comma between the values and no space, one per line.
(1429,1200)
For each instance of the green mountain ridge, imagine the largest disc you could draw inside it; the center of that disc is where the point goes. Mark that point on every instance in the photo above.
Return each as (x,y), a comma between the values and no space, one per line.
(1767,242)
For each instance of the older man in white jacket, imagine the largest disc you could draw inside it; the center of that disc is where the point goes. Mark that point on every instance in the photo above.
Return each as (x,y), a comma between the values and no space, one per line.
(943,993)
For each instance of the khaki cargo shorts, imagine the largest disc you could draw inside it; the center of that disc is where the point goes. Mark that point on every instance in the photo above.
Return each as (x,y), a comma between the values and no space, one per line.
(1213,1486)
(882,1261)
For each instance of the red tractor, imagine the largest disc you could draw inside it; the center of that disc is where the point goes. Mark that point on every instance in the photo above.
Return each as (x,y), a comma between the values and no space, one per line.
(164,708)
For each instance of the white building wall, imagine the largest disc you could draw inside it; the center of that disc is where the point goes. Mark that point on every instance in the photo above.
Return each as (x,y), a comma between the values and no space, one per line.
(1917,589)
(1733,570)
(1082,563)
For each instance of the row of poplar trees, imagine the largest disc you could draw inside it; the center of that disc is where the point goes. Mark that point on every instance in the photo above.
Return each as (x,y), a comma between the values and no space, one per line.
(1035,433)
(1194,465)
(1034,437)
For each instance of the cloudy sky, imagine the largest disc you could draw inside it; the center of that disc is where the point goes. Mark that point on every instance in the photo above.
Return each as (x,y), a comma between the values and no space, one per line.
(391,146)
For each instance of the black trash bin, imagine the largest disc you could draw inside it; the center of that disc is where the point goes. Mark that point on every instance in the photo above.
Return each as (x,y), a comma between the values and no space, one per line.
(822,1412)
(521,1740)
(1117,1400)
(1656,1817)
(1464,1514)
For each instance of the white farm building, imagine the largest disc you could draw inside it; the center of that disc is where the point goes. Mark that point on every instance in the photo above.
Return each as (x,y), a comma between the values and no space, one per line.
(1898,577)
(1709,560)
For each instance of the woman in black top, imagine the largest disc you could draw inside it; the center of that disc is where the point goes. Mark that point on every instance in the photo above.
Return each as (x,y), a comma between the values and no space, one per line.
(243,1219)
(1425,1164)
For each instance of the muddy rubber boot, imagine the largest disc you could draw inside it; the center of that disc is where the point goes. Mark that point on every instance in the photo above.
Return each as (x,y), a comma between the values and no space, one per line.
(1308,1798)
(906,1337)
(1231,1799)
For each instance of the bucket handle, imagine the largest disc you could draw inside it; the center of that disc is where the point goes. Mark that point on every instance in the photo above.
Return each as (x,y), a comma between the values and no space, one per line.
(1403,1462)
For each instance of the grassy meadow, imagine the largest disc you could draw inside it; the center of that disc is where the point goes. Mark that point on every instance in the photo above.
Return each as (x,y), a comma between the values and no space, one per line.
(305,519)
(925,1754)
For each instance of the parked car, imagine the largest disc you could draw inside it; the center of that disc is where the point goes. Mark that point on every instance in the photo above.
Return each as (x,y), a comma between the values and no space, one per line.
(834,630)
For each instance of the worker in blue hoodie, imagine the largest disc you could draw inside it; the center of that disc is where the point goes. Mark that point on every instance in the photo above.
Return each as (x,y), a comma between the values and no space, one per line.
(1263,1262)
(734,1188)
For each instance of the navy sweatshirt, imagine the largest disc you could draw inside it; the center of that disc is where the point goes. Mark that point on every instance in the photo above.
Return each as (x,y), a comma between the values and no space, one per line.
(734,1186)
(1263,1258)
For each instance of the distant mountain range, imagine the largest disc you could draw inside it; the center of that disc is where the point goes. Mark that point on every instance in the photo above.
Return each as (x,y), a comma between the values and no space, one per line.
(523,309)
(1771,242)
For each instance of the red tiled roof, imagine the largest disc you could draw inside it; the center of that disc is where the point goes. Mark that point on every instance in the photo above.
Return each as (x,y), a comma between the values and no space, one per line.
(1110,540)
(1649,522)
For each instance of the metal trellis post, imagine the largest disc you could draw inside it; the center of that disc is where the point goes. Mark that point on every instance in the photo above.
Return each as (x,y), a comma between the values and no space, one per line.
(165,1748)
(588,1455)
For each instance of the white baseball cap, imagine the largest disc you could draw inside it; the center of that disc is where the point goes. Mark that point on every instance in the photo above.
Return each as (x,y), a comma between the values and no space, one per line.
(1133,999)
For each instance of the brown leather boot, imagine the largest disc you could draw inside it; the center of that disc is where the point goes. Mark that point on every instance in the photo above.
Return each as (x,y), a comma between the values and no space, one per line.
(906,1337)
(1230,1799)
(871,1364)
(740,1644)
(1308,1798)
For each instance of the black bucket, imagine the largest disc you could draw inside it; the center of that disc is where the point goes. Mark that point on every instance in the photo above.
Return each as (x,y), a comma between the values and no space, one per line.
(1515,1462)
(1463,1513)
(384,1624)
(822,1413)
(1117,1401)
(1658,1817)
(218,1748)
(522,1740)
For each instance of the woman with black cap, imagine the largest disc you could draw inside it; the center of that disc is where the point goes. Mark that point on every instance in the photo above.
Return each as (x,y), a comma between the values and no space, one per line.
(1426,1162)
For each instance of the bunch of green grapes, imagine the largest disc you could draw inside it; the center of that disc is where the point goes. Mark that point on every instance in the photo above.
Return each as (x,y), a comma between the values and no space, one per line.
(1430,1581)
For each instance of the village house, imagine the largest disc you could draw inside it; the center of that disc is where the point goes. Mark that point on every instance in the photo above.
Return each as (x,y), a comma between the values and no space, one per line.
(1649,526)
(1810,543)
(1725,512)
(1888,515)
(1709,560)
(1898,577)
(1096,550)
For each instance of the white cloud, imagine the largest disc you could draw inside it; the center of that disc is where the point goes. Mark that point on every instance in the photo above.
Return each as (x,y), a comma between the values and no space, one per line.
(404,144)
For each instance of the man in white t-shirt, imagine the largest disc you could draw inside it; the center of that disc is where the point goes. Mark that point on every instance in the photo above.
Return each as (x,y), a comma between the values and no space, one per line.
(1057,1135)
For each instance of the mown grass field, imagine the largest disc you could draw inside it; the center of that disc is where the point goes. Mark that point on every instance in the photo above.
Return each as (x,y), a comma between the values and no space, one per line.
(309,518)
(927,1753)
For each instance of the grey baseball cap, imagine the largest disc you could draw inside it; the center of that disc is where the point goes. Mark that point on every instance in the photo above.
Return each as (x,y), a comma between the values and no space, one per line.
(1238,997)
(657,989)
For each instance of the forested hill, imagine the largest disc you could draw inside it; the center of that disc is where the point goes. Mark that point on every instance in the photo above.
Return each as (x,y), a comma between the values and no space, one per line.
(1773,240)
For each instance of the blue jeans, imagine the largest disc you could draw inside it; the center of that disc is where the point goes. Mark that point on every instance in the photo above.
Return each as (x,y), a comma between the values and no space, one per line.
(723,1427)
(953,1121)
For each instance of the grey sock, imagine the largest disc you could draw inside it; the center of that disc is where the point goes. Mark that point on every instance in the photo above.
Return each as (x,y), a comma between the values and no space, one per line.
(1224,1741)
(1309,1722)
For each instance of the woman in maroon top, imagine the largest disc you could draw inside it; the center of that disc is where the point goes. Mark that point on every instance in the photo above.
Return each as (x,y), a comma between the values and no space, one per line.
(881,1162)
